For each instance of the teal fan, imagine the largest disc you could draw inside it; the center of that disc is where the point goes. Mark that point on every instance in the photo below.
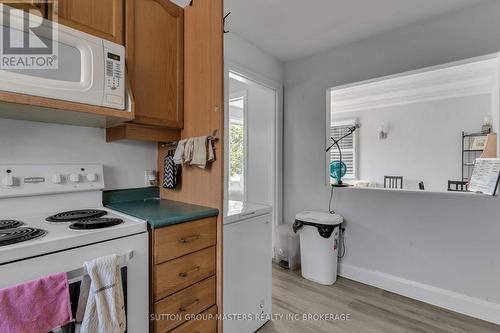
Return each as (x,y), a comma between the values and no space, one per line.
(337,170)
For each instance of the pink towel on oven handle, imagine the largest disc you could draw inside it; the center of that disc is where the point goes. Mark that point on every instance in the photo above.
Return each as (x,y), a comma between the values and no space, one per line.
(37,306)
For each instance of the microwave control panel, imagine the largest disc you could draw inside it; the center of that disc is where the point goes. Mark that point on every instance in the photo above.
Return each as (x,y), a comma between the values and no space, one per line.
(114,79)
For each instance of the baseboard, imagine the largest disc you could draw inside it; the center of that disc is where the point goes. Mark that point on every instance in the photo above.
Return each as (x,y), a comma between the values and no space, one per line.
(470,306)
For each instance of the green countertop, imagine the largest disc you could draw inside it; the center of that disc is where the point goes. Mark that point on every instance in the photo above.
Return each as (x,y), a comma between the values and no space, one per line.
(145,204)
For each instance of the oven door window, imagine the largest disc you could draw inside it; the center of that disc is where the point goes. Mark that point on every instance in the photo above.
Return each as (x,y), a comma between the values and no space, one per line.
(74,293)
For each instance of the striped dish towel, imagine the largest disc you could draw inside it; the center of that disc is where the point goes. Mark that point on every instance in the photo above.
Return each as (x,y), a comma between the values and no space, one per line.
(169,172)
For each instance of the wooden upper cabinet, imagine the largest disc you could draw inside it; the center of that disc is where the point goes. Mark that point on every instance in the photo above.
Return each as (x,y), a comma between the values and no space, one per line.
(101,18)
(31,6)
(155,57)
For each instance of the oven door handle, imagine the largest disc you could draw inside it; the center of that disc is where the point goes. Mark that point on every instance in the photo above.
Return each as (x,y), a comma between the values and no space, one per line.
(123,259)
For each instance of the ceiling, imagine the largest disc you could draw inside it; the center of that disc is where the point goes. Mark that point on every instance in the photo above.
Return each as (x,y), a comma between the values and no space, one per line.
(292,29)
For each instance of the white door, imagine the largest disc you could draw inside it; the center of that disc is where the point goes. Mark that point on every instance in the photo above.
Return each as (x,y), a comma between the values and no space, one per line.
(247,272)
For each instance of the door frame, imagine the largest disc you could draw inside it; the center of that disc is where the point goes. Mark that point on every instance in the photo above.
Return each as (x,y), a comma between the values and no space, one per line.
(230,66)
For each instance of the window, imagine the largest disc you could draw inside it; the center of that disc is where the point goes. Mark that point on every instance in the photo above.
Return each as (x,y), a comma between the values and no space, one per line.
(236,154)
(347,146)
(237,147)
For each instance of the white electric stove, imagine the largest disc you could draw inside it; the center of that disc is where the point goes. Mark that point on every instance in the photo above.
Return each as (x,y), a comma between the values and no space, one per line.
(52,220)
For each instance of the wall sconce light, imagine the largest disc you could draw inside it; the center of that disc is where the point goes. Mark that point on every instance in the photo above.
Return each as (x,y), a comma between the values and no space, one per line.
(382,132)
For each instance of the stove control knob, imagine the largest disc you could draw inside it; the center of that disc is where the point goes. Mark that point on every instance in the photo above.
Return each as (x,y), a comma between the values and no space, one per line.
(8,181)
(74,178)
(56,178)
(91,177)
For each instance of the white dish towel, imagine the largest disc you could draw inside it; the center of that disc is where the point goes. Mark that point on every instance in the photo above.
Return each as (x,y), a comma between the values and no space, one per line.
(179,152)
(187,156)
(203,152)
(105,308)
(196,151)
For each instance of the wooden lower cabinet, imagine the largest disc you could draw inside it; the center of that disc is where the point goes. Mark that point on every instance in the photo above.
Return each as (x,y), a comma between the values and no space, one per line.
(180,273)
(180,239)
(205,324)
(183,277)
(179,306)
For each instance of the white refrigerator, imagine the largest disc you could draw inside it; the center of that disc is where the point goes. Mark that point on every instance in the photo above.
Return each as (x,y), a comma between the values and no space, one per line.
(247,266)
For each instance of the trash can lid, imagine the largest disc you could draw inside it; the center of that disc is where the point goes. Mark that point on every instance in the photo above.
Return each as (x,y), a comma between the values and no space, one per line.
(319,218)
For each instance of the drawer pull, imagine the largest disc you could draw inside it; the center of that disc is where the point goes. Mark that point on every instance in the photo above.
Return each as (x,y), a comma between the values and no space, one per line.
(187,307)
(188,239)
(185,274)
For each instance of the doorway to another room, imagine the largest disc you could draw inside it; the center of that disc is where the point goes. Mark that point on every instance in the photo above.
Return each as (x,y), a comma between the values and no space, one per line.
(253,140)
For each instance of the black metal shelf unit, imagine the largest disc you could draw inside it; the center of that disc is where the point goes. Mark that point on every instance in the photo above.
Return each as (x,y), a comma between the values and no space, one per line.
(469,155)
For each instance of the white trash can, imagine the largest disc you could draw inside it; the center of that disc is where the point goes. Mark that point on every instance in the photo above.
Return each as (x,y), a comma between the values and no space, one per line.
(319,245)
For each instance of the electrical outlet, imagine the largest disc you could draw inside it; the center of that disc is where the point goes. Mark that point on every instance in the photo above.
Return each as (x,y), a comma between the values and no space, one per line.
(150,178)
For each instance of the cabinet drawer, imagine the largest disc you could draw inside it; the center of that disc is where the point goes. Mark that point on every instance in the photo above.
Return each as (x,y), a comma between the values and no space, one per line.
(189,301)
(178,240)
(205,325)
(182,272)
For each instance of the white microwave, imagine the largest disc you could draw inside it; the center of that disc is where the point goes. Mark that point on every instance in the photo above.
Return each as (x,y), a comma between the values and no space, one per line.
(88,69)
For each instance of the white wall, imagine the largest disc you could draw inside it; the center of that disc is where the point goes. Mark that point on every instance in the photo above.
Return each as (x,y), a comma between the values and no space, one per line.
(438,240)
(33,142)
(439,247)
(248,56)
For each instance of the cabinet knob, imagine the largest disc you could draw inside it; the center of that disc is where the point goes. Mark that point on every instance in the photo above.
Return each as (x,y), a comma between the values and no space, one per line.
(8,181)
(74,178)
(91,177)
(56,178)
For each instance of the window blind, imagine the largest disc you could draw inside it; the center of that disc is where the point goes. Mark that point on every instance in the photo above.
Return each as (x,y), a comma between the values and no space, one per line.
(347,148)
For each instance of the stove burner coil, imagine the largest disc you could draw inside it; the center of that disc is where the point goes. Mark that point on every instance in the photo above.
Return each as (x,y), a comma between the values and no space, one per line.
(76,215)
(95,223)
(10,224)
(18,235)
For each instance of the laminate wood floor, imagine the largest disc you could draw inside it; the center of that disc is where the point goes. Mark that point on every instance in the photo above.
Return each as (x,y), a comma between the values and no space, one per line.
(371,310)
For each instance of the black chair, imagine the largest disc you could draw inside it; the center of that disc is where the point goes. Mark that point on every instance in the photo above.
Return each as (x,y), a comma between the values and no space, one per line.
(393,182)
(421,186)
(458,186)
